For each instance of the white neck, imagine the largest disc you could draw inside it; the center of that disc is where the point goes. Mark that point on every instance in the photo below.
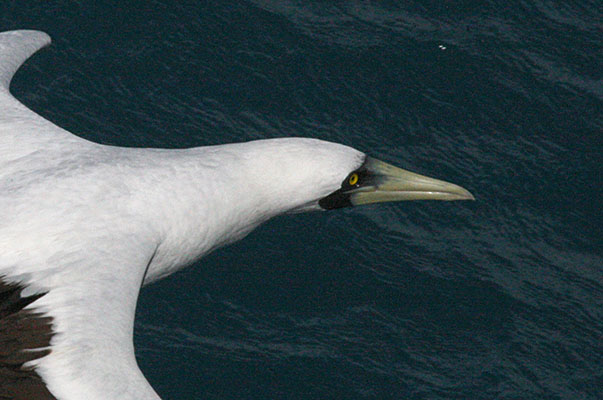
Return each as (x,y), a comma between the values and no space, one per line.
(212,196)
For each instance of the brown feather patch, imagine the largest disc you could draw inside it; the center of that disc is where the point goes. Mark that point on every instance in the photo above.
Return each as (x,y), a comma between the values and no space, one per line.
(22,332)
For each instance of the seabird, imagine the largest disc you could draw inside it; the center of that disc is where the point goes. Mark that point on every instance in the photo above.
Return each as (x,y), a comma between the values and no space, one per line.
(83,226)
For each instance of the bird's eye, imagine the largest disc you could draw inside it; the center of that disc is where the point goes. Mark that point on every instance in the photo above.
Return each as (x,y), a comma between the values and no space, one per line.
(353,179)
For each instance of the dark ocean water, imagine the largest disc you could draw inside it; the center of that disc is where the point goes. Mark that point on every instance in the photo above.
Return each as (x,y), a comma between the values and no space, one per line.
(501,298)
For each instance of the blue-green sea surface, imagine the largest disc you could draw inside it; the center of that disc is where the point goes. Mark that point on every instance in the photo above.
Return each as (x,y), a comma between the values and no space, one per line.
(501,298)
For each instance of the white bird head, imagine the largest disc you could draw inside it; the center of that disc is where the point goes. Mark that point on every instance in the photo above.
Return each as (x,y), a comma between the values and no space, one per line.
(302,174)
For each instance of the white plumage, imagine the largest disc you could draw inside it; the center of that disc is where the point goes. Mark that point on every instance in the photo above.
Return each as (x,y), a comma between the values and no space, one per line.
(88,224)
(83,226)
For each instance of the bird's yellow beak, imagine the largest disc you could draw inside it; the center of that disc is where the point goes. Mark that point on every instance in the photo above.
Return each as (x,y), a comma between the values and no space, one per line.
(389,183)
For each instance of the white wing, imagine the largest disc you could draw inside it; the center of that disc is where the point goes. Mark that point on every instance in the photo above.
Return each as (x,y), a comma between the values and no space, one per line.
(82,314)
(70,271)
(21,130)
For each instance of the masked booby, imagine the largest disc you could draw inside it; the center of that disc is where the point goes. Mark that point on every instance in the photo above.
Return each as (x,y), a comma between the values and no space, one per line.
(83,226)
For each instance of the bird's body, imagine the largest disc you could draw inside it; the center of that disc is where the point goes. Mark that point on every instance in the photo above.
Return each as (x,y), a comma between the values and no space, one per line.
(83,226)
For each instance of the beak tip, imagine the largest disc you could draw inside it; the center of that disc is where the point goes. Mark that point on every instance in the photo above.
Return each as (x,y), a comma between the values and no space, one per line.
(461,193)
(469,196)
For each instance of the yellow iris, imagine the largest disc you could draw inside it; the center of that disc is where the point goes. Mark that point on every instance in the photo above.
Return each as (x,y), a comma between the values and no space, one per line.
(353,179)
